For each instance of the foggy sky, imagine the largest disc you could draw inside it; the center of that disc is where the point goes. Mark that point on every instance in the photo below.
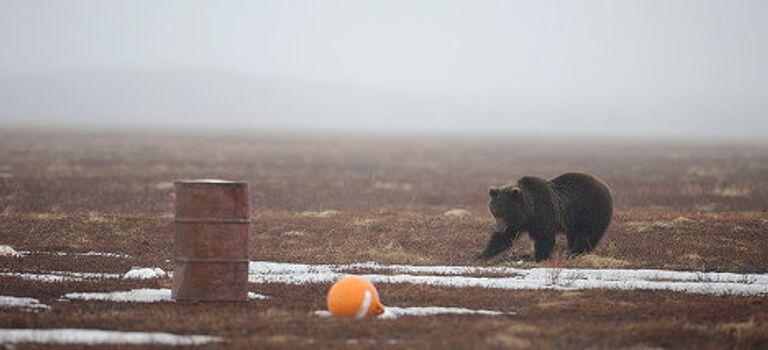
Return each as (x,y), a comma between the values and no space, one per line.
(695,68)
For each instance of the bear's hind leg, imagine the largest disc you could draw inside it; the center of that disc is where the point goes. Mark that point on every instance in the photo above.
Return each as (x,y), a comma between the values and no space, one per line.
(583,241)
(578,245)
(543,246)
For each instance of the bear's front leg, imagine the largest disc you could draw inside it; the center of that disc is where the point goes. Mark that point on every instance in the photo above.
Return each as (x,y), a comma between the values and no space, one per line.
(499,242)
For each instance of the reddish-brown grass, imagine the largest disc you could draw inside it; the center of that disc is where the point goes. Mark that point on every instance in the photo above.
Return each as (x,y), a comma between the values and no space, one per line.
(390,199)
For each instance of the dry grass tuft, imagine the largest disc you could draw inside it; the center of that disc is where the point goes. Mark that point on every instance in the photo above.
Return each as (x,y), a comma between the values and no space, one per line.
(693,258)
(602,262)
(394,252)
(552,304)
(49,216)
(643,226)
(681,220)
(96,217)
(457,213)
(163,185)
(743,332)
(320,214)
(514,336)
(294,233)
(508,341)
(732,191)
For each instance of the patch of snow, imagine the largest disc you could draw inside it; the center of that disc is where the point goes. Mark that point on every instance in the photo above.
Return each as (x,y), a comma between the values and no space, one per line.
(391,312)
(395,312)
(6,250)
(256,296)
(144,295)
(105,254)
(60,276)
(207,181)
(277,268)
(717,283)
(111,255)
(438,270)
(144,273)
(99,337)
(39,277)
(21,302)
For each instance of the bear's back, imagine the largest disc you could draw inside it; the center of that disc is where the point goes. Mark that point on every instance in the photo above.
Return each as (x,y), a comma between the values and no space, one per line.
(582,195)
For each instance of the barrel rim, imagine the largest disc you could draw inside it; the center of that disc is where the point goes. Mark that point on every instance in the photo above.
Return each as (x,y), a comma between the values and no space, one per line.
(209,182)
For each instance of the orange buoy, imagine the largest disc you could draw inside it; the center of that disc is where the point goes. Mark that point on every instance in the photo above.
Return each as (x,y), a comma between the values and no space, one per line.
(354,296)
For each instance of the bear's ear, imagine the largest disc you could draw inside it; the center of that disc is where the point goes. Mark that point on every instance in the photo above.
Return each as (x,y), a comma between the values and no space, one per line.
(515,191)
(493,191)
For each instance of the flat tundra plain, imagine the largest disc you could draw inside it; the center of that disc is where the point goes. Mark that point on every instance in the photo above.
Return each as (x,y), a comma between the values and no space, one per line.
(89,214)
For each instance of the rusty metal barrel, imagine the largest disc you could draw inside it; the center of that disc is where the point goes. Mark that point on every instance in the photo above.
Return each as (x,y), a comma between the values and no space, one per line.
(210,240)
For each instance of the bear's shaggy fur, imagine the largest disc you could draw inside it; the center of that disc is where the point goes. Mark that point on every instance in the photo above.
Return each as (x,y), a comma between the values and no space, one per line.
(578,204)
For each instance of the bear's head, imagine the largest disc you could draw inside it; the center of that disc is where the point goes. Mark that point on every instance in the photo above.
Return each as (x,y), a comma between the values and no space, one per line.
(510,207)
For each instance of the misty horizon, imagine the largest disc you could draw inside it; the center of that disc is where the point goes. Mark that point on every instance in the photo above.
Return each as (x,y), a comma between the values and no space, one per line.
(683,68)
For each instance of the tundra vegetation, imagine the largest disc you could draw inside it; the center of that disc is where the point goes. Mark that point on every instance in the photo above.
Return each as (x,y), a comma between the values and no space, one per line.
(337,199)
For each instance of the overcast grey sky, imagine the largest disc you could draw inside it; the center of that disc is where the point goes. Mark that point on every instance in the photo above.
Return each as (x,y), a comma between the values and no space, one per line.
(695,68)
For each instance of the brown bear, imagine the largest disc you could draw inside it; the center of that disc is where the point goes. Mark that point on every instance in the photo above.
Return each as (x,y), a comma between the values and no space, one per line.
(578,204)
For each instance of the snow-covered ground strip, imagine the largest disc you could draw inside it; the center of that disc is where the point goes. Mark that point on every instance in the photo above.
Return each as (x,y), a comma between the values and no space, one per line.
(145,273)
(437,270)
(39,277)
(139,296)
(391,312)
(104,254)
(537,278)
(395,312)
(21,303)
(323,268)
(603,274)
(69,276)
(60,276)
(135,295)
(111,255)
(99,337)
(457,276)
